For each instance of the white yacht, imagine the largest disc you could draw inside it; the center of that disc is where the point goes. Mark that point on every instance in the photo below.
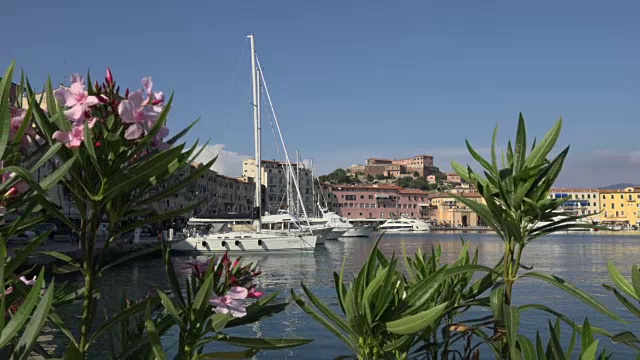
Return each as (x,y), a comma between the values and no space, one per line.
(203,236)
(220,235)
(341,226)
(287,222)
(580,224)
(405,225)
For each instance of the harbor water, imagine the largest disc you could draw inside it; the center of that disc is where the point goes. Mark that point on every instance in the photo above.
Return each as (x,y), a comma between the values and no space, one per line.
(580,259)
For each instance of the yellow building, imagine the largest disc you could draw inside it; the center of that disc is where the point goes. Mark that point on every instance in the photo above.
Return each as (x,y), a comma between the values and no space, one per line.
(620,206)
(450,212)
(581,201)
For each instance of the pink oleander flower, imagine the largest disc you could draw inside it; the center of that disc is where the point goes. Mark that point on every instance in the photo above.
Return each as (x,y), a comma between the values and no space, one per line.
(76,98)
(229,304)
(198,266)
(8,290)
(74,138)
(17,119)
(19,188)
(157,98)
(28,282)
(254,294)
(142,113)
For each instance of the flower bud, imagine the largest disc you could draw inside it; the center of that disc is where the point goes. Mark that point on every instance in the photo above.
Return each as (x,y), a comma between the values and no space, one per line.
(109,77)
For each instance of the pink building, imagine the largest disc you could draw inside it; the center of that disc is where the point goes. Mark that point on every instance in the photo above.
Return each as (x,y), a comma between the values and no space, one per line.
(453,177)
(380,202)
(431,179)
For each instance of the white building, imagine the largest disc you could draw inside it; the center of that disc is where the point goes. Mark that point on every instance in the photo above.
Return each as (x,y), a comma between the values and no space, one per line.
(274,181)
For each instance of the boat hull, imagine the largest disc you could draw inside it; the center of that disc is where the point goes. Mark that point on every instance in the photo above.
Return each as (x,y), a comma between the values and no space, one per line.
(245,242)
(336,233)
(361,231)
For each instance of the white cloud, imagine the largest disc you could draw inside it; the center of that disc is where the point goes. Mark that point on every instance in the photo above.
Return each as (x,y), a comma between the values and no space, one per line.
(228,163)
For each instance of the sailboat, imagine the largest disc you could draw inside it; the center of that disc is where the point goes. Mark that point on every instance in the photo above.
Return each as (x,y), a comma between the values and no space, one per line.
(210,235)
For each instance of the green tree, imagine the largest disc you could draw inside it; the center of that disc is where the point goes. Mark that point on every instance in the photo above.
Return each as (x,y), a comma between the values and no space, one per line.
(370,178)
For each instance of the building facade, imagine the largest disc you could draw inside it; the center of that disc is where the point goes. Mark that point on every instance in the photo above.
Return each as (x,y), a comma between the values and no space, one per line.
(379,202)
(217,193)
(279,187)
(620,206)
(579,201)
(420,164)
(448,211)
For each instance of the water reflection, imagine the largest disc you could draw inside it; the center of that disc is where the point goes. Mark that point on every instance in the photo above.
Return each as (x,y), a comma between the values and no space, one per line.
(580,259)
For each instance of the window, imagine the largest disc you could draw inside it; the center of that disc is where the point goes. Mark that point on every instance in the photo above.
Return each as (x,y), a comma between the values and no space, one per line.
(621,213)
(371,197)
(360,214)
(361,196)
(348,214)
(350,197)
(613,206)
(373,206)
(612,196)
(361,205)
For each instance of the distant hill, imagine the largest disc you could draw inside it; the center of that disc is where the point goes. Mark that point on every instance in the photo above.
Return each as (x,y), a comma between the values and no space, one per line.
(617,186)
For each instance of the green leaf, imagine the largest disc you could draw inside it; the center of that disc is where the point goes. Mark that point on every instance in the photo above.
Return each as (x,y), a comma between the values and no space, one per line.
(635,278)
(201,301)
(322,321)
(540,152)
(57,175)
(415,323)
(590,352)
(512,322)
(122,315)
(64,257)
(586,337)
(263,343)
(521,146)
(129,256)
(554,344)
(526,348)
(219,321)
(24,312)
(32,330)
(625,337)
(154,339)
(324,309)
(623,300)
(171,310)
(21,255)
(5,115)
(579,294)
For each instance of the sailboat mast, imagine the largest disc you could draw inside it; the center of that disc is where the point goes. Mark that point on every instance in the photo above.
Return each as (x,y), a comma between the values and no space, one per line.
(298,179)
(255,80)
(313,191)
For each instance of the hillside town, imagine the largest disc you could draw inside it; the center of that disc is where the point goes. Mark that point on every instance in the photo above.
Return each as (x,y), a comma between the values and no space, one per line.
(384,197)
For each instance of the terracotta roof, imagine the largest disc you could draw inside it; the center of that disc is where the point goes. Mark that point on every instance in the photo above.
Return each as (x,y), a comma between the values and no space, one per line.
(556,190)
(620,191)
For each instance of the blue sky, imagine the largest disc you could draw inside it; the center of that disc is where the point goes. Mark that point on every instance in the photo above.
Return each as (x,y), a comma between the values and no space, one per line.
(355,79)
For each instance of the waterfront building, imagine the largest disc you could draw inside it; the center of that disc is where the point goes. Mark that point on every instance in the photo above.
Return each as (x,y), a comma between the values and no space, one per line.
(448,211)
(620,206)
(380,202)
(420,164)
(218,194)
(579,201)
(274,180)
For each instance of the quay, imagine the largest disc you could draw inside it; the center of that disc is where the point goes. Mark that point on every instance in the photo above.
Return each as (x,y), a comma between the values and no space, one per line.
(118,248)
